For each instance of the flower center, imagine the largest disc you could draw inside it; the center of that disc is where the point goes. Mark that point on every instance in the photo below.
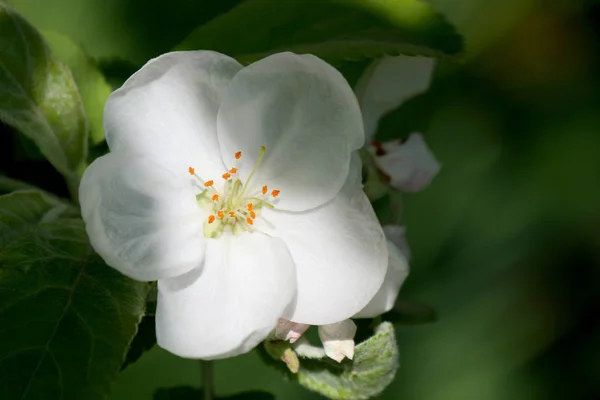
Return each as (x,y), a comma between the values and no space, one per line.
(237,206)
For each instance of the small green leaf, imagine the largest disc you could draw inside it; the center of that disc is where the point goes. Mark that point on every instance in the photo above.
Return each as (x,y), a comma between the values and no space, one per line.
(39,97)
(190,393)
(93,87)
(334,30)
(66,318)
(373,368)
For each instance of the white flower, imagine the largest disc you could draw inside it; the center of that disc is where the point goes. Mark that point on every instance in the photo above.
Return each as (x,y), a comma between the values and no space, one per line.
(385,85)
(239,190)
(385,298)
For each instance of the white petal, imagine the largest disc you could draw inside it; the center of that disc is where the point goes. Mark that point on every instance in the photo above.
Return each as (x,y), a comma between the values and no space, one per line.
(140,218)
(288,330)
(410,166)
(339,250)
(229,305)
(338,339)
(306,115)
(397,235)
(389,82)
(168,109)
(385,298)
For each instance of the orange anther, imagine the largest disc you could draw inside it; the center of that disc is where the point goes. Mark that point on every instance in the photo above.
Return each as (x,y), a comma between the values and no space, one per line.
(226,175)
(275,193)
(249,206)
(191,170)
(233,170)
(264,189)
(249,221)
(215,197)
(211,219)
(209,183)
(252,214)
(220,214)
(238,155)
(232,214)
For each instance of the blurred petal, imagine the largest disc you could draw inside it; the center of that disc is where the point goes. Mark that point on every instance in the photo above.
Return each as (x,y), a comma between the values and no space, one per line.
(140,218)
(389,82)
(410,166)
(339,250)
(231,303)
(168,110)
(338,339)
(397,235)
(385,298)
(306,115)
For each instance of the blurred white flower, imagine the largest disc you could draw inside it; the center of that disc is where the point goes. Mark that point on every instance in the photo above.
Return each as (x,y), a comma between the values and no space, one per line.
(239,190)
(386,84)
(409,166)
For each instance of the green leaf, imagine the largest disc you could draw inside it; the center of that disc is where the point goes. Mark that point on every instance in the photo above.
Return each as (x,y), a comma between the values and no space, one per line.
(23,210)
(66,318)
(334,30)
(190,393)
(93,87)
(39,98)
(144,340)
(373,368)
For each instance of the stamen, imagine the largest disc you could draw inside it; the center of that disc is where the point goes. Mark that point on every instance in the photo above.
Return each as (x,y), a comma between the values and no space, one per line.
(275,193)
(215,197)
(191,170)
(249,221)
(226,175)
(211,219)
(249,206)
(264,189)
(209,183)
(233,170)
(238,155)
(258,161)
(232,214)
(252,214)
(220,214)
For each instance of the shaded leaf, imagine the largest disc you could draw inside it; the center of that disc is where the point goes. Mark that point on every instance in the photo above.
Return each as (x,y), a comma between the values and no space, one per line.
(38,96)
(373,368)
(66,318)
(144,340)
(333,30)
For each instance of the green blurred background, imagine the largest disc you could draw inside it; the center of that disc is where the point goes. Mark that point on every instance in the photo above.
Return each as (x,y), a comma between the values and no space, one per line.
(505,242)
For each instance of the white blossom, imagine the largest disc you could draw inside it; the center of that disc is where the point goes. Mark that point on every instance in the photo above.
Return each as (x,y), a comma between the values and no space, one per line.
(239,190)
